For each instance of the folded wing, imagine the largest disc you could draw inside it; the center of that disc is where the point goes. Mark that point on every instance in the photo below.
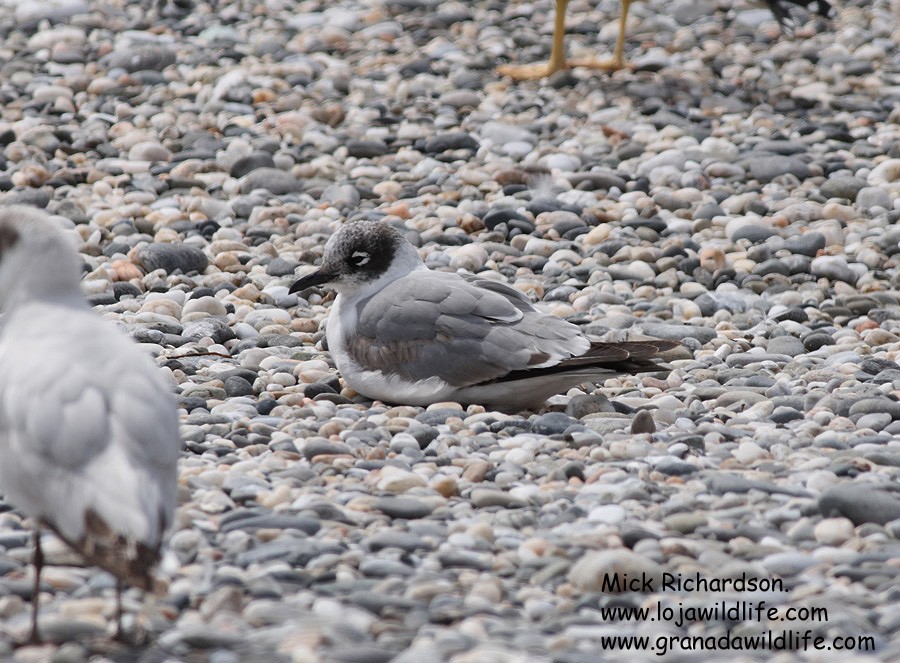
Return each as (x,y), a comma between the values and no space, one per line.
(463,330)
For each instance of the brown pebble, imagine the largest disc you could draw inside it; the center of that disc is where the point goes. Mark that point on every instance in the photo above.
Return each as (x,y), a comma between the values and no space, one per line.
(125,270)
(476,471)
(470,224)
(511,176)
(712,259)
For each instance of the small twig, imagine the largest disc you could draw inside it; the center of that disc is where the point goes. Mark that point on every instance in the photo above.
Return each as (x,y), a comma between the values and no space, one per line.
(199,354)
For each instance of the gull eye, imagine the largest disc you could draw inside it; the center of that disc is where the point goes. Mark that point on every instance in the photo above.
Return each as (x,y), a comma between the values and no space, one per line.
(359,258)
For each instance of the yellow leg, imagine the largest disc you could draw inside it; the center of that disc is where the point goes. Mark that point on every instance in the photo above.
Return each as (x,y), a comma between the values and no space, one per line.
(557,55)
(618,59)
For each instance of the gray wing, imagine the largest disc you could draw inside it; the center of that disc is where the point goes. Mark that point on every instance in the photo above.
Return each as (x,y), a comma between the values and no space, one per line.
(463,330)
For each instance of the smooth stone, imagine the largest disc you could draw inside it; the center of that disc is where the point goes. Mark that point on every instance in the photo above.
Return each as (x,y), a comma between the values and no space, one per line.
(611,514)
(281,267)
(366,149)
(673,157)
(786,345)
(876,406)
(402,507)
(214,328)
(582,405)
(491,497)
(785,414)
(552,423)
(235,385)
(593,568)
(461,99)
(833,531)
(273,180)
(675,467)
(816,340)
(834,268)
(465,559)
(861,502)
(341,195)
(767,168)
(752,232)
(643,423)
(284,521)
(597,181)
(842,187)
(454,140)
(505,132)
(872,196)
(685,523)
(172,257)
(674,332)
(206,304)
(876,421)
(886,172)
(322,447)
(359,653)
(397,480)
(59,629)
(392,539)
(788,563)
(142,58)
(253,161)
(507,216)
(52,10)
(807,243)
(149,151)
(439,416)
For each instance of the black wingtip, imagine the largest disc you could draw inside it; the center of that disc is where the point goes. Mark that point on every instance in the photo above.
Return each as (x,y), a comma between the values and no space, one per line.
(621,357)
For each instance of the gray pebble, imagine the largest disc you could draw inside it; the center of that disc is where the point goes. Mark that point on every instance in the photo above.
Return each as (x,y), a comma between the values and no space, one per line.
(402,507)
(873,196)
(273,180)
(767,168)
(643,423)
(842,187)
(172,258)
(861,502)
(552,423)
(807,244)
(786,345)
(582,405)
(141,58)
(491,497)
(251,162)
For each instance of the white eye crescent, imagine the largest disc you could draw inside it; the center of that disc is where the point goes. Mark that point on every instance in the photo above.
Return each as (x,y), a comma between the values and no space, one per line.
(359,258)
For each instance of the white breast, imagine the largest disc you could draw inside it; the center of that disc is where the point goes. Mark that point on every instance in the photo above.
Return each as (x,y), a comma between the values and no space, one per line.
(375,384)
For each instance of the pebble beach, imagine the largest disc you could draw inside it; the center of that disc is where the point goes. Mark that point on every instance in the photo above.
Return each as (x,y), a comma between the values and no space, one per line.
(736,190)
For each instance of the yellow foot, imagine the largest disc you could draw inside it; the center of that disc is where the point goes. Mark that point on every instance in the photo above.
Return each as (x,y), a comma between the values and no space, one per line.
(529,72)
(609,64)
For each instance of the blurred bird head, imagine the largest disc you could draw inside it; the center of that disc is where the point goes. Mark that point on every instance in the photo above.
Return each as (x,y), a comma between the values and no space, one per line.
(37,259)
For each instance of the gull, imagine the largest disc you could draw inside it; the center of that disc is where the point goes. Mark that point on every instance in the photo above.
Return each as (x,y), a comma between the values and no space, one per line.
(88,428)
(558,61)
(401,333)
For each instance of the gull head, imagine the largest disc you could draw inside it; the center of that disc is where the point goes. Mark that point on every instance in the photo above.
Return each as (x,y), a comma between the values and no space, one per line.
(362,256)
(37,259)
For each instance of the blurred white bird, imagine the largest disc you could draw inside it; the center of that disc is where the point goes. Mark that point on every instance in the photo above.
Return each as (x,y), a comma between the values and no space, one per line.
(88,428)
